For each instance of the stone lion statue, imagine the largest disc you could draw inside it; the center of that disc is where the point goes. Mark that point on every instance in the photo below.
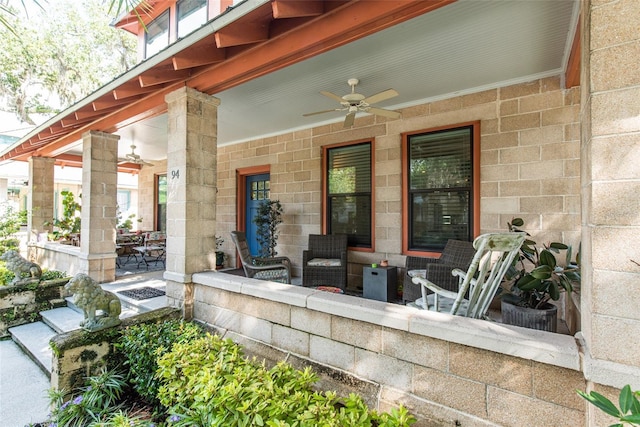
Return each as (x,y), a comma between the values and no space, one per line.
(24,271)
(90,297)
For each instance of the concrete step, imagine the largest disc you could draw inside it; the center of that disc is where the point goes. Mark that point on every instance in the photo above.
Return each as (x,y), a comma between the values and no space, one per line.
(33,339)
(62,319)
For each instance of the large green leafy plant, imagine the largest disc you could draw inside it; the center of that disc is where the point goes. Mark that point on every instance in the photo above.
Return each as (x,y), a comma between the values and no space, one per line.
(536,274)
(629,411)
(69,223)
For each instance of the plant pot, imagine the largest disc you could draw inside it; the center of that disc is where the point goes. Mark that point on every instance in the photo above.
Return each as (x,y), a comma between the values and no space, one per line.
(219,259)
(544,319)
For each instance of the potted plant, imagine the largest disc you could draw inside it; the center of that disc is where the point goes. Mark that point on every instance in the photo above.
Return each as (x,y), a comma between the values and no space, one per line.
(219,254)
(536,279)
(67,227)
(268,217)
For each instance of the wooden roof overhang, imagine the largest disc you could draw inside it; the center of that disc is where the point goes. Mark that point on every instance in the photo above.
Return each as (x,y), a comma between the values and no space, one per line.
(246,42)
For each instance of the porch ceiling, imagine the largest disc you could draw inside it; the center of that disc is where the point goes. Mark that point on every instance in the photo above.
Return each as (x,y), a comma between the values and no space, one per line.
(462,47)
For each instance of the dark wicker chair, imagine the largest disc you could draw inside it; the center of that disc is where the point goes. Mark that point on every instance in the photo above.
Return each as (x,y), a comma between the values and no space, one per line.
(277,269)
(329,254)
(456,254)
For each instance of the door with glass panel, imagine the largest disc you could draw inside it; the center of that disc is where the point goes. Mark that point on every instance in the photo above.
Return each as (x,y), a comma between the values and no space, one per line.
(258,190)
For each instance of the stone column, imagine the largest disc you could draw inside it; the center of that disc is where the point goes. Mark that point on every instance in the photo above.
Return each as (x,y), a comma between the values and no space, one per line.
(4,187)
(610,154)
(191,178)
(99,198)
(40,200)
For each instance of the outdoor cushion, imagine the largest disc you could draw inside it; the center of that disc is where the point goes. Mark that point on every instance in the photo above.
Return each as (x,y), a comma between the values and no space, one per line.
(324,262)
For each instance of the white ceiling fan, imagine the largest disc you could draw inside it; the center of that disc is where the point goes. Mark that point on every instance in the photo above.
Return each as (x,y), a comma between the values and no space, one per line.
(354,102)
(134,158)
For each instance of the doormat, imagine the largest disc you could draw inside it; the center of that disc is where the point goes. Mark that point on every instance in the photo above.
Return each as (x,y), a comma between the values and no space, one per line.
(142,293)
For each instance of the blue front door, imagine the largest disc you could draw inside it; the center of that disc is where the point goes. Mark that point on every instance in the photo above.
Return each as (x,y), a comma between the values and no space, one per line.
(257,191)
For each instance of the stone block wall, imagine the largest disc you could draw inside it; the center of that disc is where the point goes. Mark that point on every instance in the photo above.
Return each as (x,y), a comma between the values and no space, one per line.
(79,353)
(530,168)
(445,369)
(20,304)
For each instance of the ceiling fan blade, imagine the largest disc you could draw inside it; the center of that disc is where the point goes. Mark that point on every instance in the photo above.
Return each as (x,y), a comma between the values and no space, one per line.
(381,96)
(348,121)
(332,95)
(320,112)
(383,112)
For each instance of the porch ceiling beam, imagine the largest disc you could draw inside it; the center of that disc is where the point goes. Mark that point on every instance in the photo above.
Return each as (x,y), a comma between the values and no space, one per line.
(251,28)
(236,35)
(572,74)
(89,114)
(296,8)
(108,103)
(197,56)
(156,77)
(136,111)
(343,24)
(130,89)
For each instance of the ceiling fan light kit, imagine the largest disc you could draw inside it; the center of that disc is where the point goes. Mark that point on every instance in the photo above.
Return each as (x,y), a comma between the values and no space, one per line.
(134,158)
(354,102)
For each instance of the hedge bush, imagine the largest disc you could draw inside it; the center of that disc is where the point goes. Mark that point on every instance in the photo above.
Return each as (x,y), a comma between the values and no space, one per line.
(209,382)
(142,344)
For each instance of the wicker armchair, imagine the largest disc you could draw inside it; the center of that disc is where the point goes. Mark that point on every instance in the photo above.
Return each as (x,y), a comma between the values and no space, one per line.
(456,254)
(277,269)
(325,262)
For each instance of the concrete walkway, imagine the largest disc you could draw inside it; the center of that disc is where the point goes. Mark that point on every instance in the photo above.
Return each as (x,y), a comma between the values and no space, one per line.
(23,388)
(23,384)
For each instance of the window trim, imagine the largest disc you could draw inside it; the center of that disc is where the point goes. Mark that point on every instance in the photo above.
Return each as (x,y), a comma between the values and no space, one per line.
(170,26)
(324,189)
(475,185)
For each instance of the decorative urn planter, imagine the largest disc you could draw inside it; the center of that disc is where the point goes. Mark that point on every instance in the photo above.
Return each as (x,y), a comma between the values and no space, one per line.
(544,319)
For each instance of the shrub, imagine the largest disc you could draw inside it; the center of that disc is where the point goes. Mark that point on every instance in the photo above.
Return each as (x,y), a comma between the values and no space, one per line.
(141,346)
(52,274)
(209,382)
(93,405)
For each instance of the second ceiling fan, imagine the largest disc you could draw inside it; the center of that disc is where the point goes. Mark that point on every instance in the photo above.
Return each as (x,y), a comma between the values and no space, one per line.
(354,102)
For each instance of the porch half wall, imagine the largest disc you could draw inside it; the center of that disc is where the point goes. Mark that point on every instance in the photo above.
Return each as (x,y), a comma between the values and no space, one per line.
(446,370)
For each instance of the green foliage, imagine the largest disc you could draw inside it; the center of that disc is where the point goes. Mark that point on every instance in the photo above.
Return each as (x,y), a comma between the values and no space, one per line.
(52,274)
(141,346)
(66,48)
(94,403)
(536,274)
(208,382)
(6,276)
(267,219)
(629,411)
(70,221)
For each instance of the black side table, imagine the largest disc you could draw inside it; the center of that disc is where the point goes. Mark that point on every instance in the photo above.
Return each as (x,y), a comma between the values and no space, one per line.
(380,283)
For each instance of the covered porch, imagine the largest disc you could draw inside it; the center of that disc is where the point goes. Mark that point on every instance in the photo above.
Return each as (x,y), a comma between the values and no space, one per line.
(549,111)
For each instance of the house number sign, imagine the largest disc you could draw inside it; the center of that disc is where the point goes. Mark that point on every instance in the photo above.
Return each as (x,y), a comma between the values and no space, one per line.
(175,174)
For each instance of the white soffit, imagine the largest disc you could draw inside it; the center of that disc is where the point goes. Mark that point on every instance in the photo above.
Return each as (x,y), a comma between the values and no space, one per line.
(465,47)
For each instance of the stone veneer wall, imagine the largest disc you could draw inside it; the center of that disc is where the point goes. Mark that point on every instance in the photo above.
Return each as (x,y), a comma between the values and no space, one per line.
(446,370)
(530,168)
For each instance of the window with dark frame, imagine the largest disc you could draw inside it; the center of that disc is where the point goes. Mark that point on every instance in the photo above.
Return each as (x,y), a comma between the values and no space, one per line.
(191,15)
(440,183)
(349,189)
(157,35)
